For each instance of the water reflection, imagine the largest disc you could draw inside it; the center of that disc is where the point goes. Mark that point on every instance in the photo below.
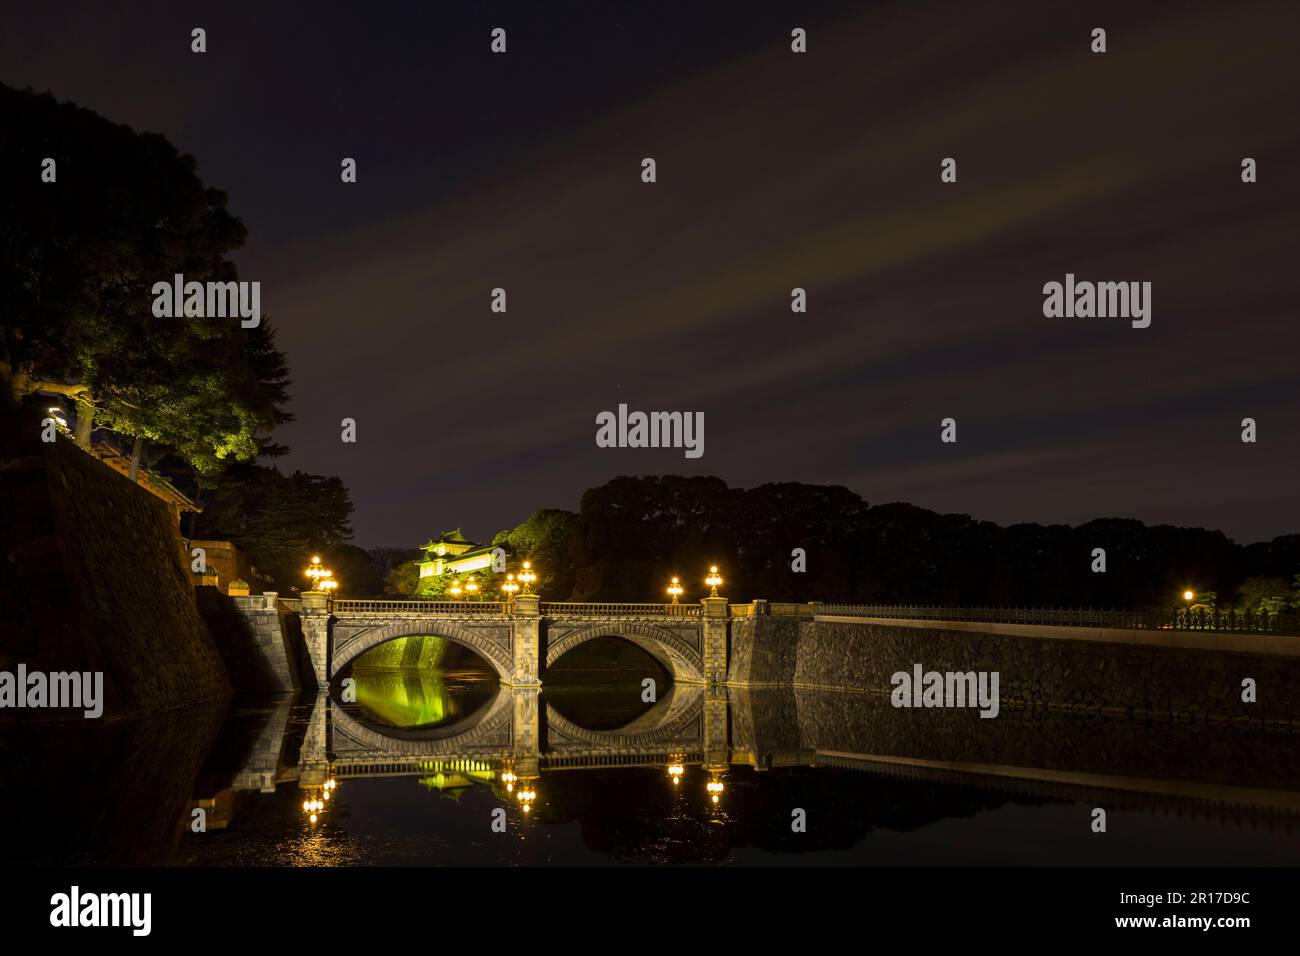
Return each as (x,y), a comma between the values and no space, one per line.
(409,699)
(413,770)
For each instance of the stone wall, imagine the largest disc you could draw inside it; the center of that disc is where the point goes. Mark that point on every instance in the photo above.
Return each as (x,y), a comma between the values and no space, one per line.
(807,719)
(230,564)
(261,642)
(1086,676)
(91,579)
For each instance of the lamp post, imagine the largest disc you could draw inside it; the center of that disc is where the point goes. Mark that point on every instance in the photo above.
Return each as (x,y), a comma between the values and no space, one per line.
(471,588)
(322,579)
(713,580)
(675,589)
(527,577)
(510,587)
(454,590)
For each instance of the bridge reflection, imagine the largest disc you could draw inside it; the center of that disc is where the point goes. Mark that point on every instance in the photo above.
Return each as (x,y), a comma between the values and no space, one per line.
(514,738)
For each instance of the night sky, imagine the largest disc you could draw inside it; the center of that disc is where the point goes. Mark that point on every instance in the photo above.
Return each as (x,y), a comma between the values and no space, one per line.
(775,170)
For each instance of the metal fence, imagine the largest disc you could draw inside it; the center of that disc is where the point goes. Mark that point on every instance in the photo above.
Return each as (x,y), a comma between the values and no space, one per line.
(1156,619)
(484,608)
(580,609)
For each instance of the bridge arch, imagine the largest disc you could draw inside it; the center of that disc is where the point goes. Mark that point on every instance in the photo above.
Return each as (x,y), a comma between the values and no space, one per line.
(495,651)
(482,729)
(676,718)
(678,656)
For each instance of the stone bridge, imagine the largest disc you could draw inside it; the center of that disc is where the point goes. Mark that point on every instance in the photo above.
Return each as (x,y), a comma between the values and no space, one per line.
(523,637)
(510,727)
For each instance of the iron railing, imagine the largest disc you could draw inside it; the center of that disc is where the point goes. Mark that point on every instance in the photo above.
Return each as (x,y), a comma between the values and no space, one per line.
(579,609)
(482,608)
(1155,619)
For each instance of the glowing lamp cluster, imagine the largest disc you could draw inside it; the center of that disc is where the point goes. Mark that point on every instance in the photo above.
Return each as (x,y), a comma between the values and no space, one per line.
(714,788)
(713,580)
(322,578)
(313,806)
(526,795)
(675,589)
(527,577)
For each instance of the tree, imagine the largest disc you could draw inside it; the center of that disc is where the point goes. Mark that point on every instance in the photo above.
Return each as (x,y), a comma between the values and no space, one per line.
(78,261)
(403,579)
(547,539)
(1264,594)
(281,520)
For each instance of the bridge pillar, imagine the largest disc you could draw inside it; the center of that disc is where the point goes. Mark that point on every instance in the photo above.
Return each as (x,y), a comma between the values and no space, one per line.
(313,756)
(526,640)
(715,639)
(525,724)
(717,745)
(315,617)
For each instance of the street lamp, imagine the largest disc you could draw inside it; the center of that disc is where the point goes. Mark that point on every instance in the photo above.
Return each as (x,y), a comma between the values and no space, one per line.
(675,589)
(1188,596)
(675,771)
(454,590)
(471,587)
(322,577)
(713,580)
(527,577)
(510,587)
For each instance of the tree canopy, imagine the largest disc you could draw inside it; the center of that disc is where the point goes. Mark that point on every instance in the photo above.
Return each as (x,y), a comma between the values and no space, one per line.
(78,259)
(632,533)
(280,520)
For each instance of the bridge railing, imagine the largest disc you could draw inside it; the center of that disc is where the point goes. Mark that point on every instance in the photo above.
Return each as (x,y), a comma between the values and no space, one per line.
(580,609)
(1156,619)
(791,610)
(481,608)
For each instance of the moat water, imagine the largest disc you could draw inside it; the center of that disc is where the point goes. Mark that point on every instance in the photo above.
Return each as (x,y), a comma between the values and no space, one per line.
(421,761)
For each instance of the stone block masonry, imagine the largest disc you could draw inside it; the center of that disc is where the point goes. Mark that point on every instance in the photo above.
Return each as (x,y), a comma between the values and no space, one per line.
(91,578)
(260,641)
(1118,677)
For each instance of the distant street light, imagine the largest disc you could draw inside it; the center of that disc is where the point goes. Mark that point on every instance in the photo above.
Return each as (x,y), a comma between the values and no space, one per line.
(713,580)
(675,589)
(1188,595)
(471,587)
(454,590)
